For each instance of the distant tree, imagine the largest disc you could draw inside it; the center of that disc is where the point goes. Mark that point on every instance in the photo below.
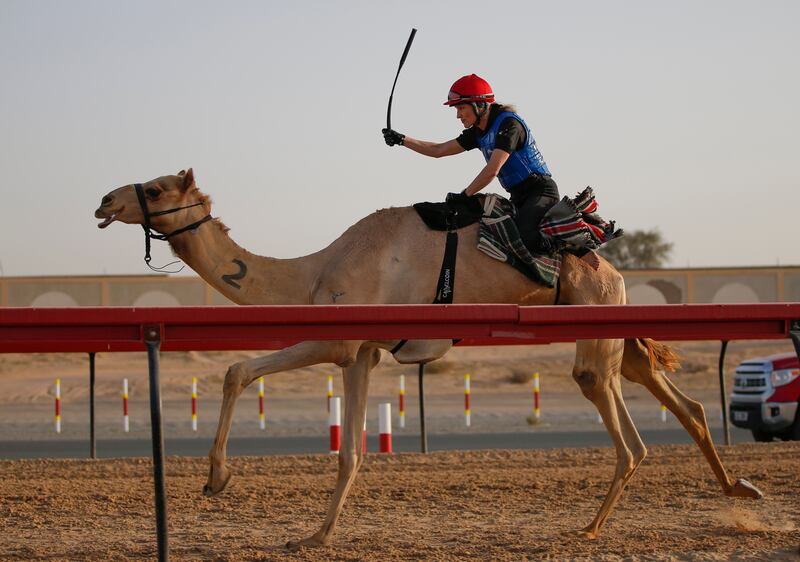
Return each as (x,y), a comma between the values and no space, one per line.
(637,249)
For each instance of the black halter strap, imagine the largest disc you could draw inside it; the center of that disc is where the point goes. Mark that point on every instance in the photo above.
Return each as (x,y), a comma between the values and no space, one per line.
(147,227)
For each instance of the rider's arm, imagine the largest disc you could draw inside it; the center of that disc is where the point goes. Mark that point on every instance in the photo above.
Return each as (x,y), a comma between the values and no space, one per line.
(433,149)
(489,171)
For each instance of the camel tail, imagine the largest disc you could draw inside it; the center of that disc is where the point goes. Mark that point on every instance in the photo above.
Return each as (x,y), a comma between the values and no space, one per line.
(661,354)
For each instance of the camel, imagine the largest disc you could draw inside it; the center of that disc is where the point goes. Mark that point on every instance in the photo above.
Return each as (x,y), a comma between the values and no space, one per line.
(390,257)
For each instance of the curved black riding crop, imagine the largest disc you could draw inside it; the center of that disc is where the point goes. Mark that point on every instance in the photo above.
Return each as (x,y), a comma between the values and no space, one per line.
(402,60)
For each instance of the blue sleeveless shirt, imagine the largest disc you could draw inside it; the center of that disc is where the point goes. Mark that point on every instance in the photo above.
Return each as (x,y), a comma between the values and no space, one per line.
(522,163)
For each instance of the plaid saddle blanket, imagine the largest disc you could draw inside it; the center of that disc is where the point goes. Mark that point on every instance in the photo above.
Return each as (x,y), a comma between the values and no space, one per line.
(570,224)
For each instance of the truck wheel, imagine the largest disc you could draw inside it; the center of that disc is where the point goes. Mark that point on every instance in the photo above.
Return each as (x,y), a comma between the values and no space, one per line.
(762,436)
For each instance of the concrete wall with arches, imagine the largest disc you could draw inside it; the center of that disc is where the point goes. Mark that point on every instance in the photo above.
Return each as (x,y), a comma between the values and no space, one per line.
(131,290)
(647,286)
(713,285)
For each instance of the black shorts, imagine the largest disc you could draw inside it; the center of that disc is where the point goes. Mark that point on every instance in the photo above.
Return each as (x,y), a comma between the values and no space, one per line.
(533,198)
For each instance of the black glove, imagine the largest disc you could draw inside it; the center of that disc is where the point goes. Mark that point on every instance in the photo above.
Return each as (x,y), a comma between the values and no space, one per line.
(456,198)
(392,137)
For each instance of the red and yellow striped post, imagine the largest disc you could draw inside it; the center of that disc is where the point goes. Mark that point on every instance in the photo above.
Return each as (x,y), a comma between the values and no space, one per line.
(467,416)
(330,391)
(194,403)
(335,424)
(402,401)
(262,422)
(58,405)
(125,420)
(537,412)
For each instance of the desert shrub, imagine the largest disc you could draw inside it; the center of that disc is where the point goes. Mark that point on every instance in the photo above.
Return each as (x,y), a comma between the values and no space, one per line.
(520,376)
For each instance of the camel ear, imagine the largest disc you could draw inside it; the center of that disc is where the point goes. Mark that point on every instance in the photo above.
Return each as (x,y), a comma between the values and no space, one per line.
(188,178)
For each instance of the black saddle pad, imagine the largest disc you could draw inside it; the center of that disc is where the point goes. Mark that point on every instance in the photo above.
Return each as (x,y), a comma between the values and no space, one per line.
(450,216)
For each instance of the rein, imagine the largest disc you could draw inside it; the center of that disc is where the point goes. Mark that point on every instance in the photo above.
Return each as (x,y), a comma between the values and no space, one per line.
(147,227)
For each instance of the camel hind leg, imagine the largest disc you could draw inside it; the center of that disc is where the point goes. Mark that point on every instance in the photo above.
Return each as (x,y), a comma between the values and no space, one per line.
(639,364)
(597,373)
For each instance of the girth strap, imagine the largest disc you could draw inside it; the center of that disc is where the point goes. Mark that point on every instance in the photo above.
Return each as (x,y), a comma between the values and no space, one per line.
(447,279)
(447,274)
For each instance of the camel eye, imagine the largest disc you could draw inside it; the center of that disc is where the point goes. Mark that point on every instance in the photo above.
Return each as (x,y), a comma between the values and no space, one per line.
(153,193)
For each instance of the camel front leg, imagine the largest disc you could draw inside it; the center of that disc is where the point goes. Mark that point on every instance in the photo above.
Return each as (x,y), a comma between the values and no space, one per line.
(601,385)
(240,375)
(356,382)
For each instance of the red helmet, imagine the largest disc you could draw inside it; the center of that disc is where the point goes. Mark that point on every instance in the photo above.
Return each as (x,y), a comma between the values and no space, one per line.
(468,89)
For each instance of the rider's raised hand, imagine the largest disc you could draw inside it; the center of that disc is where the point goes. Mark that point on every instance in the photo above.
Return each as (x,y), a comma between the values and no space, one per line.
(392,137)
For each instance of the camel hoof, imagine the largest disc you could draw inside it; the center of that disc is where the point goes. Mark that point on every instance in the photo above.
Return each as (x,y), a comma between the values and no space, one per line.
(583,534)
(311,541)
(209,490)
(744,489)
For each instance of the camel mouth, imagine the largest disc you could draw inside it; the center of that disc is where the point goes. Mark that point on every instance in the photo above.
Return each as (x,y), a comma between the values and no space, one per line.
(109,219)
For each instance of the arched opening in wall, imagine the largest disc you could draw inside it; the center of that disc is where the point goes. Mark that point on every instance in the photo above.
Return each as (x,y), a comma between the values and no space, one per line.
(645,294)
(670,290)
(156,298)
(735,293)
(54,298)
(791,292)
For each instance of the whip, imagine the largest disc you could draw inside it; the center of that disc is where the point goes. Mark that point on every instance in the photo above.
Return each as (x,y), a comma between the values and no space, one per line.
(402,60)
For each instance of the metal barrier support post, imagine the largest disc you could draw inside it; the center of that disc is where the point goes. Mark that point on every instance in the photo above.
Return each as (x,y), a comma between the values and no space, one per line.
(794,333)
(726,430)
(152,339)
(92,442)
(423,434)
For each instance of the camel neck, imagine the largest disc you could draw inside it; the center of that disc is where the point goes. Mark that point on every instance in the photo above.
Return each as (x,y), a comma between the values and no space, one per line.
(241,276)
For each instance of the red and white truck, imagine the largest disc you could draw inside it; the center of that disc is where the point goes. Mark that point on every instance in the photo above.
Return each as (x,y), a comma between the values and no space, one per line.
(765,397)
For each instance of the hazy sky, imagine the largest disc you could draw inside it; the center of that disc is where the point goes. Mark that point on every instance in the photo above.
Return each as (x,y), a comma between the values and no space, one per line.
(683,115)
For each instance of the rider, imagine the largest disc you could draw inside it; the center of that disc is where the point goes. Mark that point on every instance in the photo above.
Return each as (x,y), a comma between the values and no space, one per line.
(509,149)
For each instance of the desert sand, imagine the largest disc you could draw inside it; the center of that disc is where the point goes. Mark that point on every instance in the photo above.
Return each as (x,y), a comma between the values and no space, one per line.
(492,505)
(498,505)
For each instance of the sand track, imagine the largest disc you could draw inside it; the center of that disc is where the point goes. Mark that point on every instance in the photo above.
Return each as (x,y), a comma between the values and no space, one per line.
(499,505)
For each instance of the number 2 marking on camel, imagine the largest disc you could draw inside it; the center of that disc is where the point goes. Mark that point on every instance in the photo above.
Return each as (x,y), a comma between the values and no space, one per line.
(231,279)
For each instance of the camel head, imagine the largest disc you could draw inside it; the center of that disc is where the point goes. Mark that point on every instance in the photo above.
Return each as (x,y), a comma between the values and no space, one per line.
(170,202)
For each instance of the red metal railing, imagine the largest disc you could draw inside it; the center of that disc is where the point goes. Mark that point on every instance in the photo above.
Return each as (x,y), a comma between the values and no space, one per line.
(268,327)
(94,329)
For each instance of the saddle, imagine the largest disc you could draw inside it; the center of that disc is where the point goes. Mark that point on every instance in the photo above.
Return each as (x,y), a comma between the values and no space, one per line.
(571,225)
(459,211)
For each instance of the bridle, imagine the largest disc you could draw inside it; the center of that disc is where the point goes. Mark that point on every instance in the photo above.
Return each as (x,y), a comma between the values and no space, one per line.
(147,227)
